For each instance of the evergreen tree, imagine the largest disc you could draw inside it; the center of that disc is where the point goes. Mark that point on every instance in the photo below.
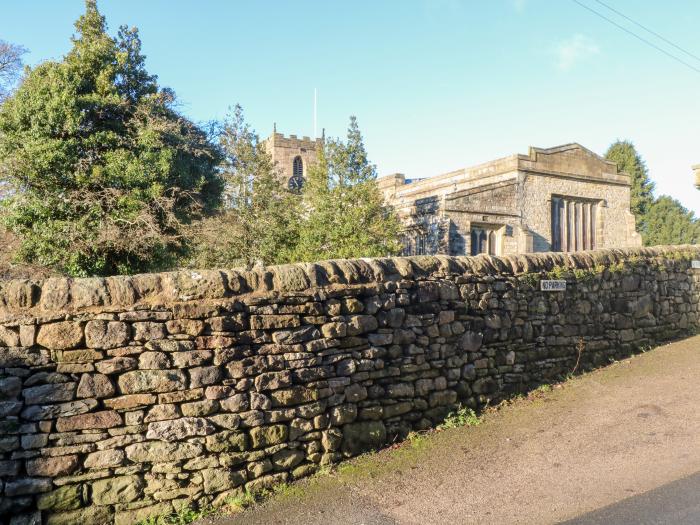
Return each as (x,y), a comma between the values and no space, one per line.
(259,224)
(346,216)
(106,171)
(668,222)
(629,161)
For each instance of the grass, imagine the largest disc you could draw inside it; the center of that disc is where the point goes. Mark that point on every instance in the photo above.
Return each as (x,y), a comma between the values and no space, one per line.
(462,417)
(184,516)
(235,503)
(189,514)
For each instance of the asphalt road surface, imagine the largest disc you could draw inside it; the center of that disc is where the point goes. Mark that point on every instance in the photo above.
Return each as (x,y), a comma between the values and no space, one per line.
(675,503)
(619,446)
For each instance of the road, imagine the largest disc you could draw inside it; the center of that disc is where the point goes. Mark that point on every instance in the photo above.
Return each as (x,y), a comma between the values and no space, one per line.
(677,503)
(620,445)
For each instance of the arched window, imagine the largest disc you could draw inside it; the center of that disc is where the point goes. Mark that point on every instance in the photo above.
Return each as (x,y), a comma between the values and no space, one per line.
(475,242)
(298,167)
(483,240)
(492,243)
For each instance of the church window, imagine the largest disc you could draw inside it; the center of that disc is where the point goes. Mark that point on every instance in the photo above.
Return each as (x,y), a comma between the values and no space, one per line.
(573,224)
(484,239)
(421,242)
(298,167)
(407,245)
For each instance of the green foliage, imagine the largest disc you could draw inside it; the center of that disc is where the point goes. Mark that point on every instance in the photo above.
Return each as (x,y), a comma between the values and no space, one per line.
(183,516)
(559,272)
(588,275)
(242,500)
(260,222)
(543,389)
(629,161)
(345,214)
(668,222)
(339,214)
(660,221)
(530,279)
(106,172)
(463,416)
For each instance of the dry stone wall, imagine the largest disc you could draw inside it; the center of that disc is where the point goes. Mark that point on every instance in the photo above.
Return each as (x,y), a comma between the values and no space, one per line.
(131,396)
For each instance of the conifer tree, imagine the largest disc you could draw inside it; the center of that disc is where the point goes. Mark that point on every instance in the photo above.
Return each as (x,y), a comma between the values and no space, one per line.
(668,222)
(259,222)
(346,216)
(106,171)
(629,161)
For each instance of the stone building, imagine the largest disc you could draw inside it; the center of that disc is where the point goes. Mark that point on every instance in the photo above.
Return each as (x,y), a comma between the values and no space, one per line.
(293,156)
(565,198)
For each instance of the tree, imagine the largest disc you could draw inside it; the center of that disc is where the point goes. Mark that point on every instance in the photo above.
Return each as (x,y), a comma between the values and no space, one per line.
(259,224)
(10,66)
(629,161)
(107,173)
(346,216)
(668,222)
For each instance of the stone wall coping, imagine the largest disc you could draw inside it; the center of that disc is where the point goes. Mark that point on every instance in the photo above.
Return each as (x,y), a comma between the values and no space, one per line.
(22,300)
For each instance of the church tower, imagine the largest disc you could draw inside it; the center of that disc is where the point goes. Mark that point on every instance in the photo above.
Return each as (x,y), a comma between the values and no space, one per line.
(293,156)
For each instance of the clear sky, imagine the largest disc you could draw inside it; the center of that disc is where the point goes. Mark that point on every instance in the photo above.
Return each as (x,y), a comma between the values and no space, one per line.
(436,84)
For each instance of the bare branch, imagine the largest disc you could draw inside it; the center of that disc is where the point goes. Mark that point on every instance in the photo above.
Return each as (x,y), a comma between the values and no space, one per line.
(10,65)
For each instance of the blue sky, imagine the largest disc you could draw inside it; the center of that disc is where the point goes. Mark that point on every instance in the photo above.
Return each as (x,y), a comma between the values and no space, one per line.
(436,84)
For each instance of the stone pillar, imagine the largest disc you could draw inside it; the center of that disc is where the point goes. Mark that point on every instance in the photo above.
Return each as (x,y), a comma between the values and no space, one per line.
(594,225)
(565,227)
(579,226)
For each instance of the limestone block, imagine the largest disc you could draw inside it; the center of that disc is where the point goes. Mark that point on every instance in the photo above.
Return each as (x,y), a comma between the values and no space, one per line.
(204,375)
(217,480)
(120,489)
(178,429)
(49,393)
(95,385)
(151,381)
(10,387)
(273,380)
(68,497)
(89,421)
(60,336)
(293,396)
(116,365)
(267,436)
(93,515)
(157,451)
(227,441)
(154,361)
(52,466)
(106,334)
(9,337)
(148,331)
(267,322)
(27,486)
(104,459)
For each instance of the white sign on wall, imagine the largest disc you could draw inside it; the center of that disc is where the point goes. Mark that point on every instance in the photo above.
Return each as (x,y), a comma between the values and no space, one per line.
(695,264)
(553,285)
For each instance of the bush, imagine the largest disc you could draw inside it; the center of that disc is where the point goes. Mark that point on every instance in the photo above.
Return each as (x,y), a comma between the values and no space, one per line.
(106,173)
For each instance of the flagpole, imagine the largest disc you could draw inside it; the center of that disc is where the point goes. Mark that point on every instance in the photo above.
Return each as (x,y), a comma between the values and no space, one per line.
(315,129)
